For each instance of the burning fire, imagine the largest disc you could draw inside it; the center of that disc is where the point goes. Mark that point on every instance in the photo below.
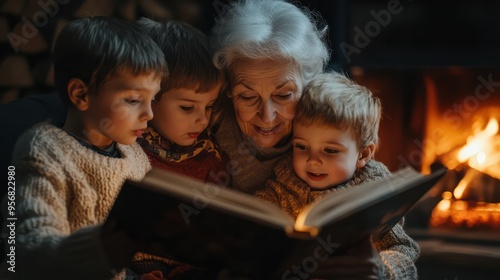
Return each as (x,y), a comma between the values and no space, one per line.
(470,204)
(482,151)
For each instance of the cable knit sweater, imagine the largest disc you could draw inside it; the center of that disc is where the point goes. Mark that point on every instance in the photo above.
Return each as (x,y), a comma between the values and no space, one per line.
(397,250)
(64,191)
(251,165)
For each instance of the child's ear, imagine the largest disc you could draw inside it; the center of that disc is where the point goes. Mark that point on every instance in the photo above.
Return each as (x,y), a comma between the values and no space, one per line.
(365,155)
(78,94)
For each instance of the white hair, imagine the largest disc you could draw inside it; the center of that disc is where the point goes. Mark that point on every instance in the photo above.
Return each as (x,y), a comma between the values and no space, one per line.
(272,29)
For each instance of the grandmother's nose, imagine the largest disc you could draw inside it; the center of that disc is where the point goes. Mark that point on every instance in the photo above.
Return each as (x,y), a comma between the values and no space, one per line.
(268,111)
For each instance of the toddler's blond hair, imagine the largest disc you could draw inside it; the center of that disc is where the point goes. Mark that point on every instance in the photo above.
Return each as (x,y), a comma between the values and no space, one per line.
(333,99)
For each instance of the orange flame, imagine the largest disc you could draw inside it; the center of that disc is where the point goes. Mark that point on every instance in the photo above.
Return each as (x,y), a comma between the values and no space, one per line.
(480,152)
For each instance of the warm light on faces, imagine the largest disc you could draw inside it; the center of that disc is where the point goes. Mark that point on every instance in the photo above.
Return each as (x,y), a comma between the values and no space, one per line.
(119,110)
(182,114)
(324,156)
(265,96)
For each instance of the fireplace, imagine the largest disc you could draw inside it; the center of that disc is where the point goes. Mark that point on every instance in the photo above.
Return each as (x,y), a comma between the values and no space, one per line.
(436,67)
(446,116)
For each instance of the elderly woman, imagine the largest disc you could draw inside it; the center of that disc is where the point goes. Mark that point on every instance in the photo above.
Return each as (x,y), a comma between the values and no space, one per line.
(269,51)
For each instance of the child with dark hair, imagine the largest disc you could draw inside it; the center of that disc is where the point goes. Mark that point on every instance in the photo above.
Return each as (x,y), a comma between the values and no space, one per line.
(178,138)
(107,72)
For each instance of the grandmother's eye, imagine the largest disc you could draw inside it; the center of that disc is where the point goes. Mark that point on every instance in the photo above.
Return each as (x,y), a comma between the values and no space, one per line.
(247,98)
(284,96)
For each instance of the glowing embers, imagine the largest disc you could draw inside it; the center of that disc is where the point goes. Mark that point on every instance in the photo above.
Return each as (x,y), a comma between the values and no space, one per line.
(470,205)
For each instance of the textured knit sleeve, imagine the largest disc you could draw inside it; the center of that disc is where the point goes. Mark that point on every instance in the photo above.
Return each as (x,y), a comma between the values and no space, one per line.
(45,249)
(398,252)
(268,193)
(285,189)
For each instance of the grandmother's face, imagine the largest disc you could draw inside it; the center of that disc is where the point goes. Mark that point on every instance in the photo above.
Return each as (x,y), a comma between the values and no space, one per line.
(265,95)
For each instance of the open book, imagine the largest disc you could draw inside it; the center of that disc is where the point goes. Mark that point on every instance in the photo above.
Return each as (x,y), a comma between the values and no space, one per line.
(216,227)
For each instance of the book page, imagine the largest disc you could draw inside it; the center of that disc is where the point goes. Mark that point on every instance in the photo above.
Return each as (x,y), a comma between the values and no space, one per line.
(231,201)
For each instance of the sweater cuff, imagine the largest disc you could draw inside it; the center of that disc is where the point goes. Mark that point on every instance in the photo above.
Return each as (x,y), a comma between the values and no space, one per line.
(382,269)
(397,266)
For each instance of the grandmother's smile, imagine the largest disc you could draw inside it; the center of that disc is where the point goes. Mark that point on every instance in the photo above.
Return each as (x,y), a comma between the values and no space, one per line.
(267,131)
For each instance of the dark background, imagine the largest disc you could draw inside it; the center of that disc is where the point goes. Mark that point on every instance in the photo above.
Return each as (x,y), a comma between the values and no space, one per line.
(420,34)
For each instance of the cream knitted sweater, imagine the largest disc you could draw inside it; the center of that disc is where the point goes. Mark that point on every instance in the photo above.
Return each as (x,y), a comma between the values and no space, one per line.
(64,191)
(397,250)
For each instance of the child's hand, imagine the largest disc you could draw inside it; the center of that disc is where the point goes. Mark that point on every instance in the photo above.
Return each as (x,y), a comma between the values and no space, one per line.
(360,262)
(153,275)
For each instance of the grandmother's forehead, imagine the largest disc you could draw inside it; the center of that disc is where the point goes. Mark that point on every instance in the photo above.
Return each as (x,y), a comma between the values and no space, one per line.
(265,67)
